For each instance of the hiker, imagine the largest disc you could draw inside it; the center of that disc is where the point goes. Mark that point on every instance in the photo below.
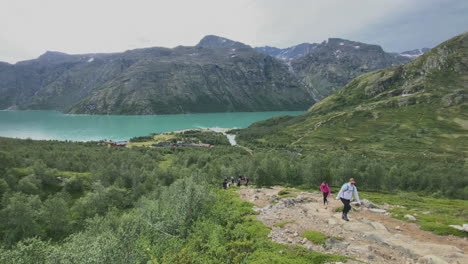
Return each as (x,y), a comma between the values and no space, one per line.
(247,181)
(225,184)
(325,191)
(239,181)
(346,193)
(232,180)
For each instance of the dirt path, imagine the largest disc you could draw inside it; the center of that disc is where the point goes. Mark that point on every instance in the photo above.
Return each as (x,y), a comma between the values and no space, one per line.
(369,237)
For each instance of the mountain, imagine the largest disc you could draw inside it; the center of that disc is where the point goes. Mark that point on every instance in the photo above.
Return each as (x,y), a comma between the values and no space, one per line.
(419,108)
(216,75)
(414,53)
(288,53)
(326,67)
(333,63)
(212,41)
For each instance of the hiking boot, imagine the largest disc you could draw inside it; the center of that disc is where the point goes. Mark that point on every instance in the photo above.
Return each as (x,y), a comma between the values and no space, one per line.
(345,217)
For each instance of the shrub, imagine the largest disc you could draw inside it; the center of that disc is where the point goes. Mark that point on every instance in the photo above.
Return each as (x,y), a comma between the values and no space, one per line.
(315,237)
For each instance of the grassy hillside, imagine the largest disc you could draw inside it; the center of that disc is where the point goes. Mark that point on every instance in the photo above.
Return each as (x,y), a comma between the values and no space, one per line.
(404,127)
(418,108)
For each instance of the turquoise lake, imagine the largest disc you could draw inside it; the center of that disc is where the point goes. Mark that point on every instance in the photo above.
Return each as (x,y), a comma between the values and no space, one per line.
(58,126)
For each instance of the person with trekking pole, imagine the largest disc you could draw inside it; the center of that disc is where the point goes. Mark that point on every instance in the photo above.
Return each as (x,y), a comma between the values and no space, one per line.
(346,193)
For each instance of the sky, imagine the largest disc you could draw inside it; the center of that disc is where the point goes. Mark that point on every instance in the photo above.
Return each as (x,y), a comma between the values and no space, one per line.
(28,28)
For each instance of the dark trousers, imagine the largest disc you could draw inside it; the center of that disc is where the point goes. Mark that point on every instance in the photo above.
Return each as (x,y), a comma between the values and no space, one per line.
(347,207)
(325,195)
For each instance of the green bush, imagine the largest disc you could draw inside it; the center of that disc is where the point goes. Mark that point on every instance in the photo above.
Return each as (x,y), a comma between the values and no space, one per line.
(315,237)
(292,195)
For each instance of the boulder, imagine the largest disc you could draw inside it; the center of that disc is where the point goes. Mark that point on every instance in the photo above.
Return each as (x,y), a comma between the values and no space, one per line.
(461,228)
(379,239)
(378,226)
(274,198)
(380,211)
(300,199)
(368,203)
(357,227)
(410,217)
(335,243)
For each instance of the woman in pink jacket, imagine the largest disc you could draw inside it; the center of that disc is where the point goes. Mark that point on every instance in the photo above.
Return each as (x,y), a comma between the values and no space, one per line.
(325,191)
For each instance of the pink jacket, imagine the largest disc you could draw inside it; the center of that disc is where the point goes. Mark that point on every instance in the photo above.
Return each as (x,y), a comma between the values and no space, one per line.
(325,189)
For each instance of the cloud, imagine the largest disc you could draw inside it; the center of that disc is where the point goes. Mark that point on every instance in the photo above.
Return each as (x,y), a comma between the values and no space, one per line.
(29,27)
(425,25)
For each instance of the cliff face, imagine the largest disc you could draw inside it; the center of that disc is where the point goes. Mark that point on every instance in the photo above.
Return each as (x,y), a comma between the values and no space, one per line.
(217,75)
(333,63)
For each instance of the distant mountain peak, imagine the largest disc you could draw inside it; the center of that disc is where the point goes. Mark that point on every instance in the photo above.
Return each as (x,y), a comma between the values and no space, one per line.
(290,52)
(345,43)
(212,41)
(53,54)
(414,53)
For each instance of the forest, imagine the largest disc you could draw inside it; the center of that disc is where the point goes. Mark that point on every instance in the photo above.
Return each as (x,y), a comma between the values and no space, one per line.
(68,202)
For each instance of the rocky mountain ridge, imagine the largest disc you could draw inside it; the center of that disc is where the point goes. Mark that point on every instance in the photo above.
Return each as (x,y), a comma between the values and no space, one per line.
(217,75)
(326,67)
(288,53)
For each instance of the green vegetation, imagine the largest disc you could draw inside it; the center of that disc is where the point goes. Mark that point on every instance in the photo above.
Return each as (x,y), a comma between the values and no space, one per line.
(69,202)
(315,237)
(142,138)
(282,224)
(400,128)
(207,137)
(193,136)
(432,214)
(292,195)
(285,191)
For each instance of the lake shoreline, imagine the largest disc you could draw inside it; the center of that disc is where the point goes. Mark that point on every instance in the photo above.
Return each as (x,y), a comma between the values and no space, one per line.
(53,125)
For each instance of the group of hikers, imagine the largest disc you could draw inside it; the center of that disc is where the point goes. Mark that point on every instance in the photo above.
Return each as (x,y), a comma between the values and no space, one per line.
(233,182)
(347,191)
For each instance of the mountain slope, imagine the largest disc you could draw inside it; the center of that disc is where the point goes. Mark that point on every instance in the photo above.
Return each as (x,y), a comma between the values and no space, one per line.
(217,75)
(288,53)
(419,108)
(333,63)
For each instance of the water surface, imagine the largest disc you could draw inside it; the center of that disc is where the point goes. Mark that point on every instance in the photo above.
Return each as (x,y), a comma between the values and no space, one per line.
(59,126)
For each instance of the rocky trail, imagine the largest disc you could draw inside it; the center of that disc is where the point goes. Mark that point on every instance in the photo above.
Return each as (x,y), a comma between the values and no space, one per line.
(371,236)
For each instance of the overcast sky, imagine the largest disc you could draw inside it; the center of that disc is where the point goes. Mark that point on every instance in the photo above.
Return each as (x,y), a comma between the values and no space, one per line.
(28,28)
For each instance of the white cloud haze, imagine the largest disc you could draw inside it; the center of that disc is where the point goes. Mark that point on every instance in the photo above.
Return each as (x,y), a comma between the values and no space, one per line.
(28,28)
